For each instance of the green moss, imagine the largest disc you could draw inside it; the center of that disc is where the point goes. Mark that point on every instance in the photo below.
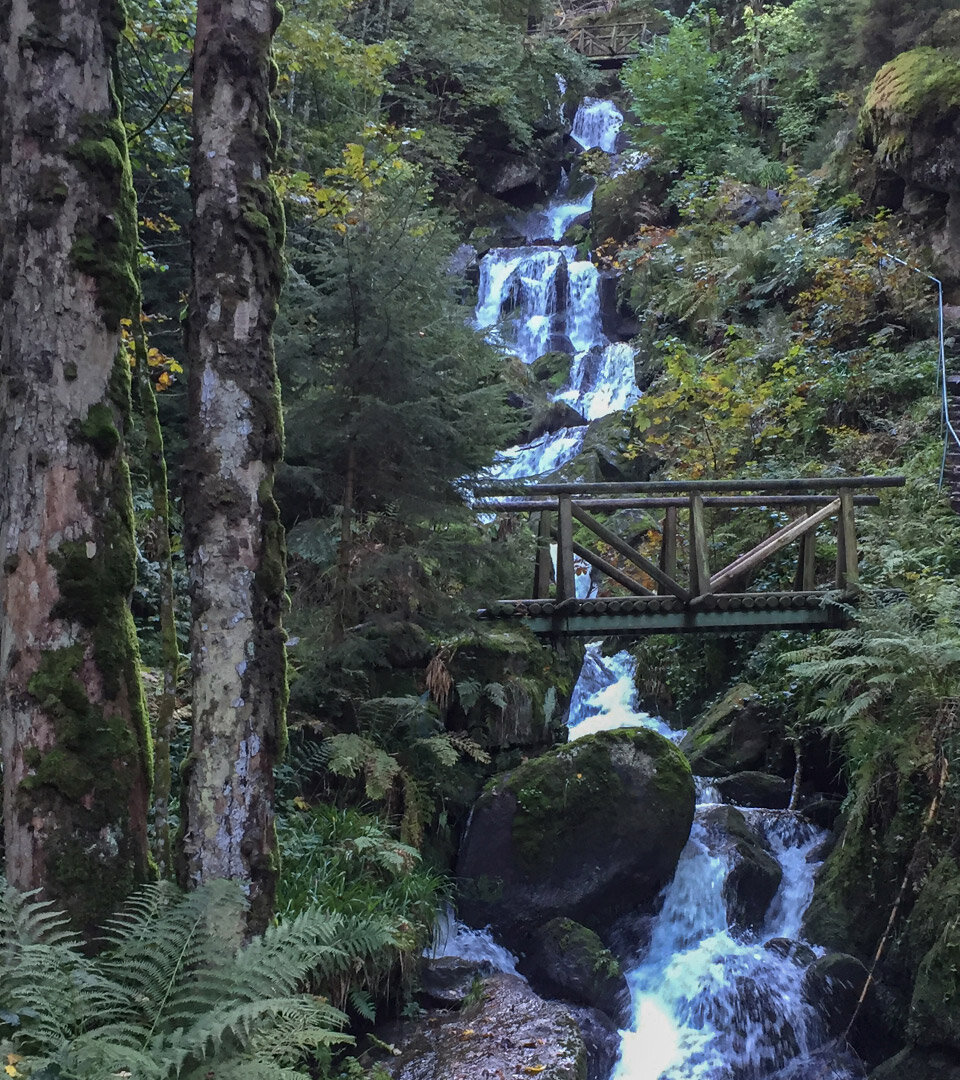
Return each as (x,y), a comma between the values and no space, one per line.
(100,430)
(105,243)
(919,89)
(70,371)
(575,783)
(935,1006)
(262,211)
(585,946)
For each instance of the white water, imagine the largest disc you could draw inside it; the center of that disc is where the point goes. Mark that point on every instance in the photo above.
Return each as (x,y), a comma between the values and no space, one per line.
(597,123)
(540,298)
(709,1002)
(452,938)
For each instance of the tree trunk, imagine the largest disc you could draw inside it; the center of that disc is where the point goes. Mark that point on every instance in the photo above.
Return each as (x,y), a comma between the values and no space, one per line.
(233,536)
(75,745)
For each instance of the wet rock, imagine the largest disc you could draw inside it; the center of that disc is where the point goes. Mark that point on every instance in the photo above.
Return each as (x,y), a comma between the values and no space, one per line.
(755,874)
(823,810)
(556,415)
(510,173)
(833,1062)
(795,951)
(568,961)
(832,985)
(508,1032)
(737,734)
(602,1040)
(448,980)
(913,1064)
(621,204)
(590,831)
(755,789)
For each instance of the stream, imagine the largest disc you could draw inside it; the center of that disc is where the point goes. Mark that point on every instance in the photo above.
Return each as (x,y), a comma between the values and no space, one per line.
(708,1002)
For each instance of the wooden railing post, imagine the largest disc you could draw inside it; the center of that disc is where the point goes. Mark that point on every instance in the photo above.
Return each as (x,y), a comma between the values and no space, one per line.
(699,564)
(806,580)
(543,570)
(848,570)
(566,576)
(668,545)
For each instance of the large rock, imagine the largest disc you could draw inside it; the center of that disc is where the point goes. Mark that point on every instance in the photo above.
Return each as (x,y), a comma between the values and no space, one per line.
(567,960)
(737,734)
(754,875)
(833,1062)
(590,831)
(447,981)
(832,984)
(509,1032)
(755,789)
(601,1037)
(911,123)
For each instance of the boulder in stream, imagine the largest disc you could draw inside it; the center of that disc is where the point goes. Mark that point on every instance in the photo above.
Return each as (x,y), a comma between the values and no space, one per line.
(754,789)
(567,960)
(913,1064)
(508,1032)
(754,875)
(589,830)
(737,734)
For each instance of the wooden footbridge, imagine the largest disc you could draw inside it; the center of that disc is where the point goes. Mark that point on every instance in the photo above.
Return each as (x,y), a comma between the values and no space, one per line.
(645,592)
(594,32)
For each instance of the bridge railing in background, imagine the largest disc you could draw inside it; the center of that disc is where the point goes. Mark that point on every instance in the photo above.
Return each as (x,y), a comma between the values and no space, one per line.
(659,596)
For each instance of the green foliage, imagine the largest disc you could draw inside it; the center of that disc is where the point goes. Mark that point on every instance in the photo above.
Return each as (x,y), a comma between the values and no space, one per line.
(172,994)
(683,98)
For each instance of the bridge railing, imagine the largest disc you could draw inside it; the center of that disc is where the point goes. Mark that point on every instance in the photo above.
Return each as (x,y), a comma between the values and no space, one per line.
(563,507)
(599,41)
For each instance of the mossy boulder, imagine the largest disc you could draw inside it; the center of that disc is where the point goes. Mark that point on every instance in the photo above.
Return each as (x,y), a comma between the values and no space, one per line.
(589,831)
(754,875)
(621,204)
(552,369)
(508,1031)
(569,961)
(913,96)
(910,124)
(510,690)
(736,734)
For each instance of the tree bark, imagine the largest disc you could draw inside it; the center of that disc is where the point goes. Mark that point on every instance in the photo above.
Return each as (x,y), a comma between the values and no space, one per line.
(73,734)
(233,536)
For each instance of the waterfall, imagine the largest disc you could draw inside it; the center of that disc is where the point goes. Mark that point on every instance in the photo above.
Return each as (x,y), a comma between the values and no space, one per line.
(540,298)
(597,123)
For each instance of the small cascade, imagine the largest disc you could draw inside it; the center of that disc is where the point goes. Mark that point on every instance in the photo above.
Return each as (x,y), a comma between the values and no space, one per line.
(452,938)
(540,298)
(709,1002)
(597,124)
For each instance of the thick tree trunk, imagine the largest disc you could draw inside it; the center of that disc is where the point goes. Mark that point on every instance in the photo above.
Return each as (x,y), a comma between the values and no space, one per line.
(233,535)
(75,746)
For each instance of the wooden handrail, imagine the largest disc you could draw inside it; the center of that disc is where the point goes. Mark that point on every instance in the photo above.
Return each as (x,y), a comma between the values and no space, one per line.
(780,486)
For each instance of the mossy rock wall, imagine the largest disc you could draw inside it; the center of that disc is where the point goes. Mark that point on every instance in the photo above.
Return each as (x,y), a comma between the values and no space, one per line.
(589,831)
(738,733)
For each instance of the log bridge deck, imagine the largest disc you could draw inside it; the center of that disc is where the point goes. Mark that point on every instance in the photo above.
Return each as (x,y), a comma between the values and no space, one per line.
(654,596)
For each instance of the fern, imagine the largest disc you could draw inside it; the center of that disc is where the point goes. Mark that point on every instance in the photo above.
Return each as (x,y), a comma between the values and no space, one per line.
(173,996)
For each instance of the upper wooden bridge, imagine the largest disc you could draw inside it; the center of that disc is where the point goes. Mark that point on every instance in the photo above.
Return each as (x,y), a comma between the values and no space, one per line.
(648,593)
(607,44)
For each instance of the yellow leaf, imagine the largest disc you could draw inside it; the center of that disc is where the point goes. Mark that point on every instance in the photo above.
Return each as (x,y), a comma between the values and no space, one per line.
(533,1069)
(11,1070)
(301,803)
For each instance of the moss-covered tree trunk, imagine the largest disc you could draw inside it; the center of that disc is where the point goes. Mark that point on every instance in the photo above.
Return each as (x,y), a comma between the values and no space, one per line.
(75,746)
(233,536)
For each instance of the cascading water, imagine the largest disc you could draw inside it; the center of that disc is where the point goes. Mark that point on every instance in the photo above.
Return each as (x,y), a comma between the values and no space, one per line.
(709,1002)
(540,298)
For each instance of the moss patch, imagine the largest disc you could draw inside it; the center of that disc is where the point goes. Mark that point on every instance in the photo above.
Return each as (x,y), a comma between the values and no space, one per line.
(917,89)
(105,243)
(578,783)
